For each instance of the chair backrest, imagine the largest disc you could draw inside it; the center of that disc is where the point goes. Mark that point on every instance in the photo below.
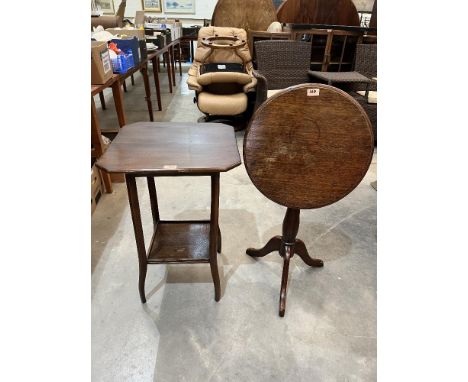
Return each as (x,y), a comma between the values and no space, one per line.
(366,60)
(205,55)
(308,146)
(284,63)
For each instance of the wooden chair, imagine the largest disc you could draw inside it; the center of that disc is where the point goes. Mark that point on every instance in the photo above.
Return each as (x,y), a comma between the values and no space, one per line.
(306,147)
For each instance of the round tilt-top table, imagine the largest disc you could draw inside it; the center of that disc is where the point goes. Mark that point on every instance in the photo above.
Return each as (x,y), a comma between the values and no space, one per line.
(306,147)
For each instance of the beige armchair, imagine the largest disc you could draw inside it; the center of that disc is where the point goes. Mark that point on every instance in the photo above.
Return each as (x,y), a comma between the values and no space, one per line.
(221,74)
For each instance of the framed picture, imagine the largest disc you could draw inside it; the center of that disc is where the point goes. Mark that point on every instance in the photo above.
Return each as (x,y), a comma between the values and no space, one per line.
(151,5)
(179,6)
(107,6)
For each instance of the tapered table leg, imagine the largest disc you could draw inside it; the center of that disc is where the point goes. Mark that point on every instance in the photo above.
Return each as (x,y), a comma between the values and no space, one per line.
(288,253)
(153,199)
(180,59)
(214,232)
(139,238)
(144,73)
(118,101)
(154,62)
(172,64)
(166,56)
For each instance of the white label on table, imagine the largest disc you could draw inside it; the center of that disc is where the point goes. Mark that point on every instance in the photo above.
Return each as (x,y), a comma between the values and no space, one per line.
(313,92)
(170,167)
(221,66)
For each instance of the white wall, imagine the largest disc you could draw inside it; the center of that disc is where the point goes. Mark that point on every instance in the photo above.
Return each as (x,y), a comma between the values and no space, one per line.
(203,10)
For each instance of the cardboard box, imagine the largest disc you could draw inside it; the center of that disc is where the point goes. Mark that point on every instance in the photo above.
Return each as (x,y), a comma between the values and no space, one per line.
(138,33)
(101,67)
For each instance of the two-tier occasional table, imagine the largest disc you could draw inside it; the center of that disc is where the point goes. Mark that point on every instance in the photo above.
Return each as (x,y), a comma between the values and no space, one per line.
(153,149)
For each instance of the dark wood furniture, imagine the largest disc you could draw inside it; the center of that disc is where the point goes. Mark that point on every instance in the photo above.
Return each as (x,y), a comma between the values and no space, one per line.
(306,147)
(174,149)
(245,14)
(338,12)
(97,143)
(332,49)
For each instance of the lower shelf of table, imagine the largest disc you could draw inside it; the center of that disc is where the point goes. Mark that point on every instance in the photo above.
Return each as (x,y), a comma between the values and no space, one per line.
(180,242)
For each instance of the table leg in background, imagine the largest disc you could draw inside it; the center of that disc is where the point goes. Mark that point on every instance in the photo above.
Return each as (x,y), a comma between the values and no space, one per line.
(144,73)
(118,101)
(154,61)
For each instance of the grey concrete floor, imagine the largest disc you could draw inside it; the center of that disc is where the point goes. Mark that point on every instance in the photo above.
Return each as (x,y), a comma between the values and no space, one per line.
(181,333)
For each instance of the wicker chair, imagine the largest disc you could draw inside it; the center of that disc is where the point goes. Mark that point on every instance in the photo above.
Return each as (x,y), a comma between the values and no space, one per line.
(361,79)
(280,64)
(365,67)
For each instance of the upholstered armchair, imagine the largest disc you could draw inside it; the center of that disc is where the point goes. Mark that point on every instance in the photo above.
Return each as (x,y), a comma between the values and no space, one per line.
(221,74)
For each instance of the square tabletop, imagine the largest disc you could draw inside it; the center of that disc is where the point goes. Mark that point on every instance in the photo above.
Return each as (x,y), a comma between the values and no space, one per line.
(172,148)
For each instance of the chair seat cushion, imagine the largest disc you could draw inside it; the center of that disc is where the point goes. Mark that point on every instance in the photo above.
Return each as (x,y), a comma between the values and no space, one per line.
(339,76)
(222,104)
(372,96)
(224,77)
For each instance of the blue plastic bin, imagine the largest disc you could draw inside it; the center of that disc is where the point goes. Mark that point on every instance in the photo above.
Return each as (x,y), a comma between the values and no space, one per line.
(125,44)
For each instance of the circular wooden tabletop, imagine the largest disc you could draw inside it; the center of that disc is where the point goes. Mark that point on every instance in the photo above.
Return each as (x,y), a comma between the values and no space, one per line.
(308,146)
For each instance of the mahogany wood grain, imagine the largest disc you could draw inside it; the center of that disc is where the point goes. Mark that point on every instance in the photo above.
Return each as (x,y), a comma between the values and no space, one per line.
(180,242)
(318,146)
(306,147)
(246,14)
(168,148)
(332,12)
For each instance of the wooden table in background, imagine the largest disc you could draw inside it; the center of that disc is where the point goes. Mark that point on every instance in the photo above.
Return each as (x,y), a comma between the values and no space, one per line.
(96,138)
(173,149)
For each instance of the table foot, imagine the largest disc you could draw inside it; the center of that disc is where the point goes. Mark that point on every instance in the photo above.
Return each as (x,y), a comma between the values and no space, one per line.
(141,282)
(274,244)
(216,281)
(301,250)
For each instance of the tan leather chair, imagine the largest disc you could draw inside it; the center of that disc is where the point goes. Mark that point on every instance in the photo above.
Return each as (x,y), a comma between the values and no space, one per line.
(221,74)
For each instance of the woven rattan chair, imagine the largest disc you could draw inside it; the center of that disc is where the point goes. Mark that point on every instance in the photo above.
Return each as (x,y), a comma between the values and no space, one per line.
(361,79)
(280,64)
(365,68)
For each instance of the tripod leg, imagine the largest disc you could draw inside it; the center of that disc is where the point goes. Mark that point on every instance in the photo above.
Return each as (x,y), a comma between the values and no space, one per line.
(274,244)
(289,251)
(301,250)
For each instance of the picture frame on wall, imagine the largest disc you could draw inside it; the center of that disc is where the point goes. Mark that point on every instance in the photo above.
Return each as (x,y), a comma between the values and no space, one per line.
(151,5)
(107,6)
(179,6)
